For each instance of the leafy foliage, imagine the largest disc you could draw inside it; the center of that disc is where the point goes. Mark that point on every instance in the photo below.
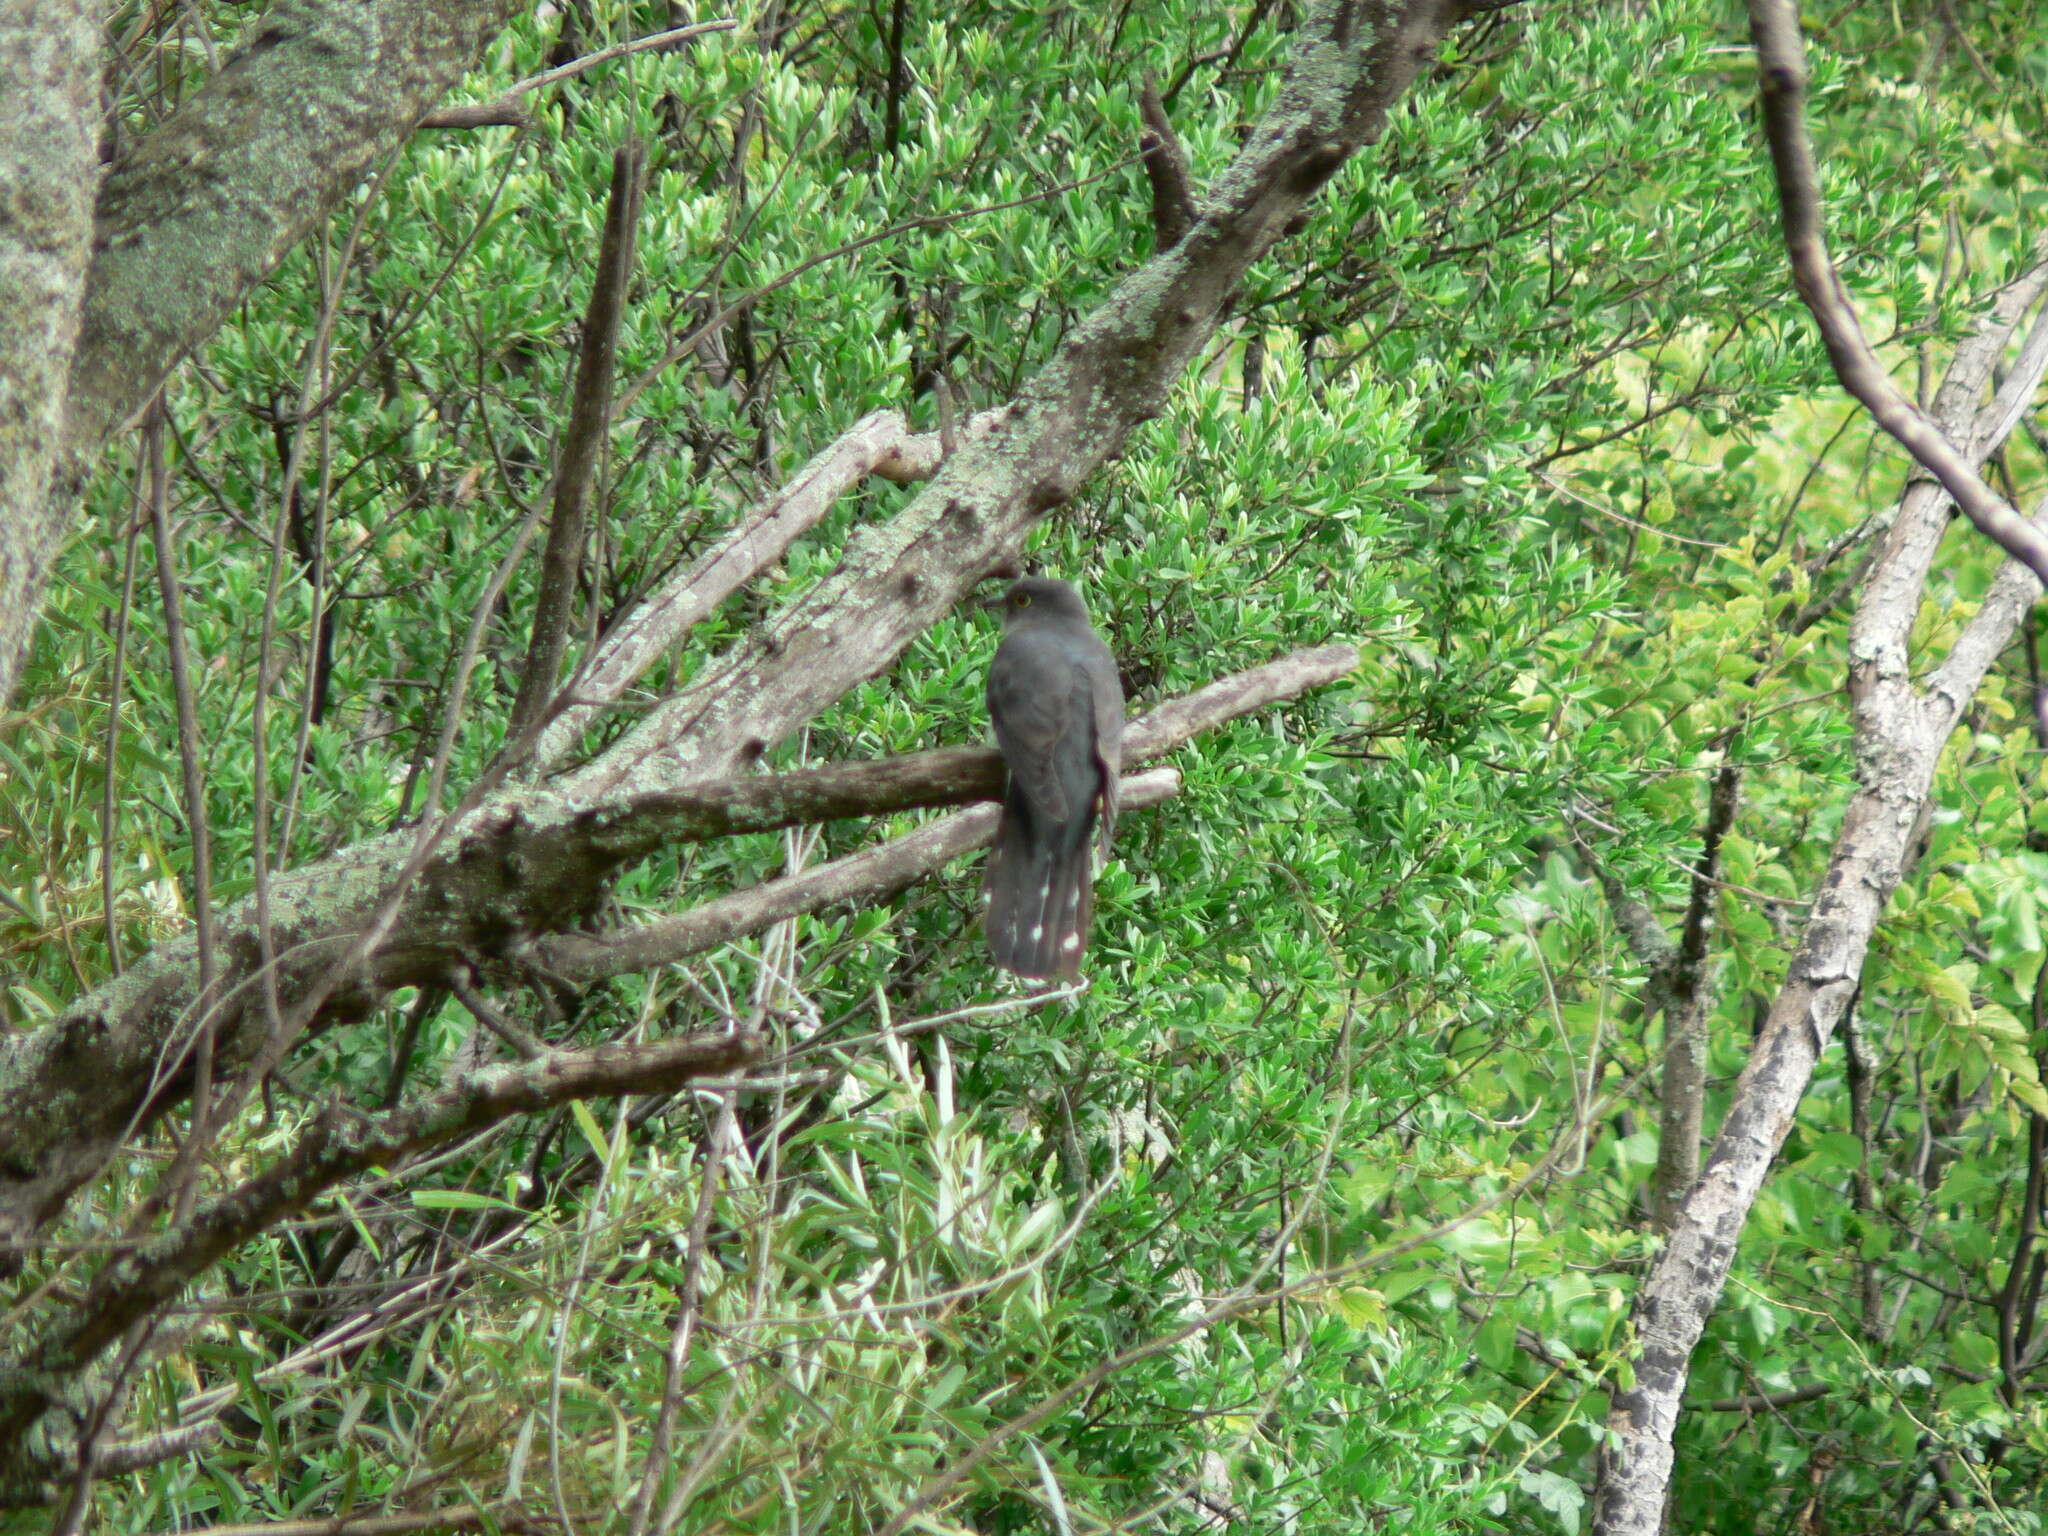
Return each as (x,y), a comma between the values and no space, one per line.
(1524,411)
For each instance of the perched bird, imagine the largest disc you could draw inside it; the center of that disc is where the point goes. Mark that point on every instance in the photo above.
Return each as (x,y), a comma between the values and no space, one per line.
(1059,717)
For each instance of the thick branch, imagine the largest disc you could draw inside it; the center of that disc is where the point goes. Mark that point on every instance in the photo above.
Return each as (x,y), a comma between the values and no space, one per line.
(188,220)
(1781,62)
(201,210)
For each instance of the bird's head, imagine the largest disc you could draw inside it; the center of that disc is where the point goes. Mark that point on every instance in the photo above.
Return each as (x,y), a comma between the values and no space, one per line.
(1038,597)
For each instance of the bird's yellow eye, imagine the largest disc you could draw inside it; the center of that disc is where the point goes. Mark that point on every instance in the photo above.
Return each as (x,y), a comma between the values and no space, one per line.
(1023,599)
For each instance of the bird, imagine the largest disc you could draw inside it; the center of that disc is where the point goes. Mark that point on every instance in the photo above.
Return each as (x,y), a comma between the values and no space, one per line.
(1058,712)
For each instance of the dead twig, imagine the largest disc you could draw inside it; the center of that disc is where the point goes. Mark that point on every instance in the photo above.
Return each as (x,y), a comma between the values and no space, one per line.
(582,444)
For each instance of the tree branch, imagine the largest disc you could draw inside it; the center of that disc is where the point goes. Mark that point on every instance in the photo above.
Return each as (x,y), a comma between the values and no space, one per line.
(318,92)
(187,221)
(859,879)
(506,110)
(1759,1402)
(1682,1090)
(1781,62)
(949,776)
(526,863)
(1166,167)
(583,440)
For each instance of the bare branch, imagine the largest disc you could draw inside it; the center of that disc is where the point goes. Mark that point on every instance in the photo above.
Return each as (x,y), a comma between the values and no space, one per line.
(506,111)
(1682,1090)
(860,879)
(1759,1402)
(1181,720)
(582,442)
(190,746)
(878,444)
(1781,60)
(449,1517)
(133,1455)
(633,826)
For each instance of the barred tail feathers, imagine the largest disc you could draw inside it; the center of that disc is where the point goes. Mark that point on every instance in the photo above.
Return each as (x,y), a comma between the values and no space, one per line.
(1041,896)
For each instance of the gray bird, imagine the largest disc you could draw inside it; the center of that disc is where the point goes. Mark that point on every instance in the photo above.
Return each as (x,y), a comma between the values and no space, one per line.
(1058,711)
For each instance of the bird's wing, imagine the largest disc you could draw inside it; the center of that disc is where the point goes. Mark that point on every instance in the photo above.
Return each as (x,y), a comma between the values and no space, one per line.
(1031,699)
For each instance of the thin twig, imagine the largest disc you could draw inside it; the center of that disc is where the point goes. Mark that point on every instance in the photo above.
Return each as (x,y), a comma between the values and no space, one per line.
(182,1174)
(504,110)
(117,677)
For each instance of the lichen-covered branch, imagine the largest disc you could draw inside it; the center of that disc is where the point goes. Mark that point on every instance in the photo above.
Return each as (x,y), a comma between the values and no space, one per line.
(205,206)
(527,864)
(49,118)
(1351,63)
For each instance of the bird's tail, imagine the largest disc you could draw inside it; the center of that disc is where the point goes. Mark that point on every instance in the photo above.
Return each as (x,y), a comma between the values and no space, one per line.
(1041,897)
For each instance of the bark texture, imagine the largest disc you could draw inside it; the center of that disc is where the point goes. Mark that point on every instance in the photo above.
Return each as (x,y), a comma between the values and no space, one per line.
(205,207)
(49,168)
(186,222)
